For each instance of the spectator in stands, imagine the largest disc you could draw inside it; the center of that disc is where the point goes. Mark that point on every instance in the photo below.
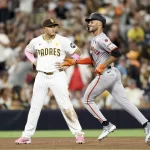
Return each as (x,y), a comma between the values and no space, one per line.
(5,49)
(122,67)
(19,71)
(26,6)
(4,12)
(114,37)
(78,78)
(16,99)
(146,88)
(4,80)
(111,103)
(145,80)
(91,6)
(5,98)
(134,94)
(136,33)
(52,103)
(61,10)
(24,97)
(134,66)
(122,26)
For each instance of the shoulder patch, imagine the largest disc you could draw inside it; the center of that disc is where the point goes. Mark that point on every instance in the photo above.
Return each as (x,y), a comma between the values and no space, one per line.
(72,45)
(106,40)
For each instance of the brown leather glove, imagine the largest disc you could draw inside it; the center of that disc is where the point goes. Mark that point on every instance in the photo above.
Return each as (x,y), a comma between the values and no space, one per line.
(69,62)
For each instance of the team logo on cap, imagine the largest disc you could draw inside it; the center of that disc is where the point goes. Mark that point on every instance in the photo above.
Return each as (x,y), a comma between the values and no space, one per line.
(52,20)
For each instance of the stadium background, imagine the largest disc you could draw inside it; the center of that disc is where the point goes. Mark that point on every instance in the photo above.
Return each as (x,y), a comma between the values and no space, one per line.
(128,26)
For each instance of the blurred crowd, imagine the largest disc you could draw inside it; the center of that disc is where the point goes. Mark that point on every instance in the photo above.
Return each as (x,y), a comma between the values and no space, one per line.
(128,26)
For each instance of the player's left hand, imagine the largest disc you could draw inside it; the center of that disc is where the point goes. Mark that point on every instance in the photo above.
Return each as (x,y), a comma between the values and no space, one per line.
(60,66)
(99,69)
(69,62)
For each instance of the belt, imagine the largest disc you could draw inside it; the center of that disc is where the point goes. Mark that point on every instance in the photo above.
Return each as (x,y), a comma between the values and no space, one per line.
(50,73)
(108,67)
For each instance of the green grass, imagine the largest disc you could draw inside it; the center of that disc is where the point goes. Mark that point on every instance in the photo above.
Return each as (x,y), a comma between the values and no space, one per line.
(67,133)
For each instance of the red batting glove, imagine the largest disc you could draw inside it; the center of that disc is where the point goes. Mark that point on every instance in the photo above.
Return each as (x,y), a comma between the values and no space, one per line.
(99,69)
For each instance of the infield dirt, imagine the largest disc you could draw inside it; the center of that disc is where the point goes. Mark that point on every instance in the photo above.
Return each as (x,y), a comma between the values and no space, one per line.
(69,144)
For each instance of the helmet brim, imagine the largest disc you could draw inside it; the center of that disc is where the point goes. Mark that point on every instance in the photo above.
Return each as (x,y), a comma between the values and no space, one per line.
(50,25)
(88,19)
(54,24)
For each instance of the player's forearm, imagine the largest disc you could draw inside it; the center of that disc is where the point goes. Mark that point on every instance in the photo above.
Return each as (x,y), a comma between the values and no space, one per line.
(77,51)
(87,60)
(76,54)
(70,61)
(110,60)
(99,69)
(115,54)
(30,56)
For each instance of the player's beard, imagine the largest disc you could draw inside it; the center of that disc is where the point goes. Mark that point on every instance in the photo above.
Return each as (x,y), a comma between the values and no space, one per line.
(93,29)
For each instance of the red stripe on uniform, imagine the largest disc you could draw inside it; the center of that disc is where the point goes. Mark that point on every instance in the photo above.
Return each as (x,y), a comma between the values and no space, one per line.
(88,98)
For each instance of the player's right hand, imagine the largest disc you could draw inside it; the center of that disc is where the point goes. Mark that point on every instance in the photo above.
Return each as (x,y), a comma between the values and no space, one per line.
(59,66)
(34,65)
(99,69)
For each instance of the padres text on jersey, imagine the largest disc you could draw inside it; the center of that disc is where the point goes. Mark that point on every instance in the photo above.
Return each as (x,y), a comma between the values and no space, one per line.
(49,51)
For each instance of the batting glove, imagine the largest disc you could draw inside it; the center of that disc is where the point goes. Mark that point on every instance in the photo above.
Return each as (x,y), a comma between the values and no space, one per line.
(99,69)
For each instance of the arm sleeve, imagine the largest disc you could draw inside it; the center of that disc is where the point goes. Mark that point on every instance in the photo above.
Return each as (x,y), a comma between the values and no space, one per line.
(116,53)
(68,46)
(87,60)
(31,47)
(30,56)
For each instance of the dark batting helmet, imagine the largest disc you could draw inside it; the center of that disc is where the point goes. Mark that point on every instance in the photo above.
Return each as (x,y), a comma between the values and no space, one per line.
(96,16)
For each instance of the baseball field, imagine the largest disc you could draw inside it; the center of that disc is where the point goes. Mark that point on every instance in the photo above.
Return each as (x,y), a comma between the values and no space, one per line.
(64,140)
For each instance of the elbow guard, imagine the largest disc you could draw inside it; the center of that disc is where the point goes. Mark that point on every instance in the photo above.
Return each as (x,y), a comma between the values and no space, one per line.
(116,53)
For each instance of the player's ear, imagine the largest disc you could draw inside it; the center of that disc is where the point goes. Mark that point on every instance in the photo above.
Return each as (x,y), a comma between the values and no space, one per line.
(99,23)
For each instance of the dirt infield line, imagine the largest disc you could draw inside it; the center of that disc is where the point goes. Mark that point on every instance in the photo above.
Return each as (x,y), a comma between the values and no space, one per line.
(69,144)
(78,149)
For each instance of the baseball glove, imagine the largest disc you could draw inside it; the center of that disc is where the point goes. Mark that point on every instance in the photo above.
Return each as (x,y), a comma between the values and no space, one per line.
(69,62)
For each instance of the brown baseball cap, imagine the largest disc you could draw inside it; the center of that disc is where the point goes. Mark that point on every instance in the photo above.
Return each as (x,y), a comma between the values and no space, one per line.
(49,23)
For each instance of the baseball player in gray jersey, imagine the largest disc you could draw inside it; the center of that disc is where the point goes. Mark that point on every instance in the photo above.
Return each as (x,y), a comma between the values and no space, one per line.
(103,53)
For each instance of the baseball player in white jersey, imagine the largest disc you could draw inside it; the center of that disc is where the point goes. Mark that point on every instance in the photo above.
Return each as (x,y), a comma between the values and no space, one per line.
(50,48)
(103,53)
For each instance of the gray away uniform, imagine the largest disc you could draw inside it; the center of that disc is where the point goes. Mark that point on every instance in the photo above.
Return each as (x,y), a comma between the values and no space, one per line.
(110,80)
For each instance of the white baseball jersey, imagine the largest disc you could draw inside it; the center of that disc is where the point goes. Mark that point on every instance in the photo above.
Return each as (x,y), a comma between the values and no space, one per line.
(50,52)
(101,48)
